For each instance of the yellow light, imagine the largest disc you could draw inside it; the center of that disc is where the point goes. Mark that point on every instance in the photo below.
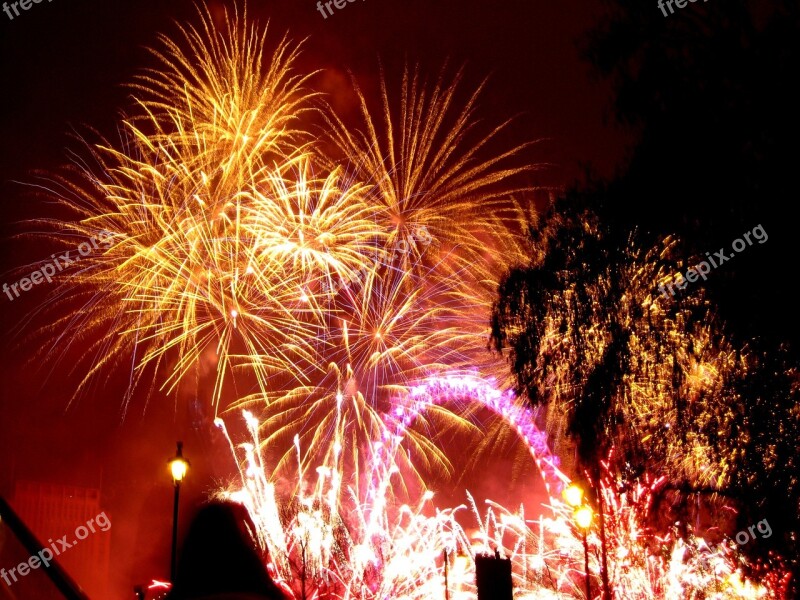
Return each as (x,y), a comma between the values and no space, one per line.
(583,517)
(179,467)
(573,494)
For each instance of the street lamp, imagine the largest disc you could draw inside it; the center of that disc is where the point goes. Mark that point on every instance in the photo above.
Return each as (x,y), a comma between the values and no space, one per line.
(178,466)
(582,515)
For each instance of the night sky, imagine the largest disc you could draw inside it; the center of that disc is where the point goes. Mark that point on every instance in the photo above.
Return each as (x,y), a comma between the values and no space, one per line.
(63,67)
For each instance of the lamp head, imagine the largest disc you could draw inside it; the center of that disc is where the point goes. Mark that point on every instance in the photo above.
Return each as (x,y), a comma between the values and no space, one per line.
(583,516)
(178,466)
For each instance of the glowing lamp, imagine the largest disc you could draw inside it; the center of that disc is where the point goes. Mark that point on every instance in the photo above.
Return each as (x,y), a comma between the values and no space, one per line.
(573,495)
(583,517)
(178,466)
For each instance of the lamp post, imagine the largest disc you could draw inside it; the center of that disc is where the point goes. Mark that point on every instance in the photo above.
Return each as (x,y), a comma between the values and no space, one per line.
(178,466)
(583,518)
(582,515)
(446,582)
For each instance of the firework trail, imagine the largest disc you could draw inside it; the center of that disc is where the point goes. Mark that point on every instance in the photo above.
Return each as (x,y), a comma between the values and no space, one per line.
(233,247)
(392,298)
(215,90)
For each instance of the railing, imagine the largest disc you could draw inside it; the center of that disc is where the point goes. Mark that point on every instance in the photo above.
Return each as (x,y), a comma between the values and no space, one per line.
(59,577)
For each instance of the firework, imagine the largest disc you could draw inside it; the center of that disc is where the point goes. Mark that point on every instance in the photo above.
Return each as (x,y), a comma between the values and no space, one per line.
(348,537)
(187,281)
(216,90)
(354,303)
(338,539)
(427,166)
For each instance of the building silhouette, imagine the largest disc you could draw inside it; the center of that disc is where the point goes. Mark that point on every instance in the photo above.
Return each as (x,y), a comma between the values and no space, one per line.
(493,575)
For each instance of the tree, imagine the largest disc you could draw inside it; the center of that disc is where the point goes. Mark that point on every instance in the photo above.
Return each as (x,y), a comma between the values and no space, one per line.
(711,92)
(590,334)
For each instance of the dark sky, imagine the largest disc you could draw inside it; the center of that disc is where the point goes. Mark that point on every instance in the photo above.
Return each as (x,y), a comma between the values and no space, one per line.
(63,64)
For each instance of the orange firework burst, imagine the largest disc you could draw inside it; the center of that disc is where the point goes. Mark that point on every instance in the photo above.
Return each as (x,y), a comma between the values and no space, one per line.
(234,243)
(431,168)
(185,277)
(217,90)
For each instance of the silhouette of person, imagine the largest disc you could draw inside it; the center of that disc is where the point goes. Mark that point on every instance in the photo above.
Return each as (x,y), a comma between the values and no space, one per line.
(219,559)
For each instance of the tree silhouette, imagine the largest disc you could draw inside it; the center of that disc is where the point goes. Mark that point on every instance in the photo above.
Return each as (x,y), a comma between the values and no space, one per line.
(711,92)
(618,363)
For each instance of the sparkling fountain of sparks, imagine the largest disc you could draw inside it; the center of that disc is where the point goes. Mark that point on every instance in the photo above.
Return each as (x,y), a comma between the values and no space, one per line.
(347,542)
